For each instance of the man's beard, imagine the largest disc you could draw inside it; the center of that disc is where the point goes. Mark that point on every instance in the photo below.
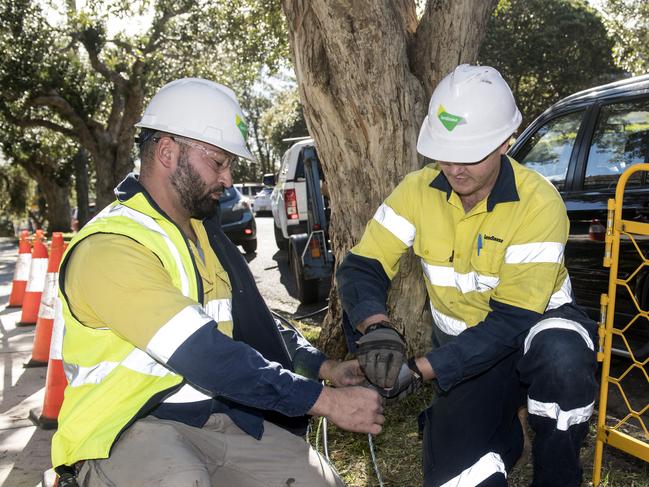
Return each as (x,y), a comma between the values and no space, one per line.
(194,194)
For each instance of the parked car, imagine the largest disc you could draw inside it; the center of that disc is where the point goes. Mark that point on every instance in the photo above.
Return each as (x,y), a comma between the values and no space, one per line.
(288,199)
(249,190)
(261,203)
(582,144)
(237,220)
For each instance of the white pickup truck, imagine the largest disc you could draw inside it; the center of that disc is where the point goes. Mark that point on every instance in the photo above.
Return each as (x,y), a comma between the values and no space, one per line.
(289,200)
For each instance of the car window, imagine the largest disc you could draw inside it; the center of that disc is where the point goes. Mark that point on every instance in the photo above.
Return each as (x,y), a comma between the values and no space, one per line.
(621,139)
(548,150)
(299,168)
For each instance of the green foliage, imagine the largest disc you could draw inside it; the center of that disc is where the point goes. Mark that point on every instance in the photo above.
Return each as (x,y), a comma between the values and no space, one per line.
(547,49)
(628,21)
(283,120)
(16,190)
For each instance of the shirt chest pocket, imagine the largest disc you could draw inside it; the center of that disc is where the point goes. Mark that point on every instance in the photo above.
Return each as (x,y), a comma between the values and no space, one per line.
(486,268)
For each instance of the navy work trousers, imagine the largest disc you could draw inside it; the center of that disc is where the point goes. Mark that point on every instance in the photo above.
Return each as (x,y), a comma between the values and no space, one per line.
(472,433)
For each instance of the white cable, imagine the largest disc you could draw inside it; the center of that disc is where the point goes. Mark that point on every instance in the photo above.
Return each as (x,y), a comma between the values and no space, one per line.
(376,467)
(325,444)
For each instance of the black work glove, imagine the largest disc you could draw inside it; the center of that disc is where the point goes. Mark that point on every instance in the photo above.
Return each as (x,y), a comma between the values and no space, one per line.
(406,384)
(381,351)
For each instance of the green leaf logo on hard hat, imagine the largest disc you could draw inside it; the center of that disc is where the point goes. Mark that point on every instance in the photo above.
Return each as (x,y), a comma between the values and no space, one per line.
(449,120)
(241,125)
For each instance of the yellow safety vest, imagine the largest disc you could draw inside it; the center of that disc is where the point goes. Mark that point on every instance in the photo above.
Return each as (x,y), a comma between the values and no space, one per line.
(113,383)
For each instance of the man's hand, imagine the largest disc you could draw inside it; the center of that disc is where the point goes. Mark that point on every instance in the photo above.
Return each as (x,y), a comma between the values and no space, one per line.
(407,383)
(356,409)
(341,374)
(380,353)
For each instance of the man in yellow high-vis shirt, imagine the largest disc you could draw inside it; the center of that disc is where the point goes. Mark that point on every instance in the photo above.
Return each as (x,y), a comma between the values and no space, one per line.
(490,235)
(178,373)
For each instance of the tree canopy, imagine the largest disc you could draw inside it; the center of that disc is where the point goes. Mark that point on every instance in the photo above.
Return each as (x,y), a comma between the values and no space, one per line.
(547,49)
(628,22)
(80,79)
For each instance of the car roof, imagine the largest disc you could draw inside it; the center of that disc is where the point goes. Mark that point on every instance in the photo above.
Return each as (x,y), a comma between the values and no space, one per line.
(627,86)
(303,143)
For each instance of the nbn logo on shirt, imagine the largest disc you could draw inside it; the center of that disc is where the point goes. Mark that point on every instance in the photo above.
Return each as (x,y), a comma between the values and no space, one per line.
(494,238)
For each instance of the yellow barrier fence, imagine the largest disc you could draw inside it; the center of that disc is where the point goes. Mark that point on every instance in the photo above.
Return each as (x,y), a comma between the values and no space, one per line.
(629,433)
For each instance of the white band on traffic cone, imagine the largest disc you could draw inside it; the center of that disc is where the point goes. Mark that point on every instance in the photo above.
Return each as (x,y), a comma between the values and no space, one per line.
(22,267)
(37,273)
(46,309)
(56,345)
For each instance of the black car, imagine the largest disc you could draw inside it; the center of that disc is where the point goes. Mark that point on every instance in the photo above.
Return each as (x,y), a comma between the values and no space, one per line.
(582,144)
(237,220)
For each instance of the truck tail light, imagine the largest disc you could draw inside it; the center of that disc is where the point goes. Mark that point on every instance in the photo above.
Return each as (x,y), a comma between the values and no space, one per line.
(314,247)
(290,201)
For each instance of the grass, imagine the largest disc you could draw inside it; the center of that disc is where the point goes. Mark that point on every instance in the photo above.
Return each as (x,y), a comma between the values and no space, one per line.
(398,449)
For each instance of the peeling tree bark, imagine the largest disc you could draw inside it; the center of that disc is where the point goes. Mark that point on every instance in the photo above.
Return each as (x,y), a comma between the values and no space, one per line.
(365,70)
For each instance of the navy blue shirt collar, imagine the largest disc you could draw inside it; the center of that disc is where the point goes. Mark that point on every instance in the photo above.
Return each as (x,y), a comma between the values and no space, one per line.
(503,191)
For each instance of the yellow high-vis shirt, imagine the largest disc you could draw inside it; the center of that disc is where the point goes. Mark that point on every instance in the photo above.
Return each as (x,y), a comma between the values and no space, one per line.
(508,248)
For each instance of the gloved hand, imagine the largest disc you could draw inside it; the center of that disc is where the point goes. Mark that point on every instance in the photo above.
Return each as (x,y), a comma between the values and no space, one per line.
(406,384)
(381,351)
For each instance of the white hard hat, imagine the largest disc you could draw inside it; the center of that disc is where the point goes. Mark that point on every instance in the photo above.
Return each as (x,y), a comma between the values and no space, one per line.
(471,113)
(202,110)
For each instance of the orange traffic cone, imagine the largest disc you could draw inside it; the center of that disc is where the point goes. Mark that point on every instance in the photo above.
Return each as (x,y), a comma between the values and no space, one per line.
(55,383)
(36,283)
(43,336)
(21,272)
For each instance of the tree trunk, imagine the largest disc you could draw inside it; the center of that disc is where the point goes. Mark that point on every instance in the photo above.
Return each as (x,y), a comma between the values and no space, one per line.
(56,192)
(365,70)
(112,164)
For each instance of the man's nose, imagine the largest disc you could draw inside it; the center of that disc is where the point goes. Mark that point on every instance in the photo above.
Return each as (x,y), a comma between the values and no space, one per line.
(225,177)
(456,169)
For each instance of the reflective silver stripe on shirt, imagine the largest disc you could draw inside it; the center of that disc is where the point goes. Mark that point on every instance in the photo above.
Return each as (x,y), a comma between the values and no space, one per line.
(444,276)
(137,361)
(149,223)
(562,296)
(491,463)
(565,419)
(175,331)
(448,324)
(219,309)
(557,324)
(396,224)
(535,253)
(185,394)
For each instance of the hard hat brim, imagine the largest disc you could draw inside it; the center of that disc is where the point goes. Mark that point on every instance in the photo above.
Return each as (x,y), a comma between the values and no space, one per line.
(445,150)
(238,149)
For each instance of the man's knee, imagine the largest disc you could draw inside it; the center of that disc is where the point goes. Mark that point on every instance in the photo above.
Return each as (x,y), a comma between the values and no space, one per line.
(559,350)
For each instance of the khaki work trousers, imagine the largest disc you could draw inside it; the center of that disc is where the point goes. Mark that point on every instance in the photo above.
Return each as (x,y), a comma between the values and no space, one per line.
(155,452)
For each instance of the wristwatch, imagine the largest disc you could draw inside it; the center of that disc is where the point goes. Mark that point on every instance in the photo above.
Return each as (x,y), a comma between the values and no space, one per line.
(412,365)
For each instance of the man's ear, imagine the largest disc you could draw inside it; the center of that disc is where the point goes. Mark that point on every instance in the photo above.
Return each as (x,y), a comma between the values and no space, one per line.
(166,152)
(504,147)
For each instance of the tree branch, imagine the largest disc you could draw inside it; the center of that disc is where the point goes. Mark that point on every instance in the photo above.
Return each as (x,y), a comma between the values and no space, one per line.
(39,122)
(159,24)
(61,106)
